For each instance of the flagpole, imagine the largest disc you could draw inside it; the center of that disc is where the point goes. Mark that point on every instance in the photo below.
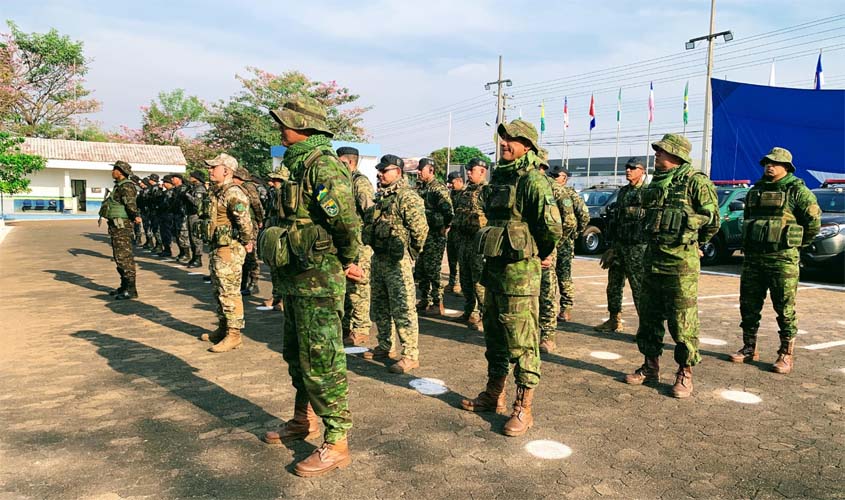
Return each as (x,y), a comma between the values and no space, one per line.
(449,146)
(648,147)
(618,123)
(589,155)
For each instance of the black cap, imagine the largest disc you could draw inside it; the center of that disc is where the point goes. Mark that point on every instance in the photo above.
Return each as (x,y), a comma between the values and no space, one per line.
(346,150)
(198,175)
(179,176)
(390,161)
(424,162)
(153,177)
(477,162)
(135,178)
(167,178)
(454,175)
(557,170)
(634,161)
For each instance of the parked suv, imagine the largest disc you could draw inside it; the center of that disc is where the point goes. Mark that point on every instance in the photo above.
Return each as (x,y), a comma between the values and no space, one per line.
(731,209)
(828,248)
(597,198)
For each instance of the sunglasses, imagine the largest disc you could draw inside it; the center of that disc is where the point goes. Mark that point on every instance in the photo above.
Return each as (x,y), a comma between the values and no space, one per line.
(632,167)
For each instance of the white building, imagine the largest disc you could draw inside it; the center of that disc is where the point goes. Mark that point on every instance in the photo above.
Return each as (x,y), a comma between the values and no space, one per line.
(78,173)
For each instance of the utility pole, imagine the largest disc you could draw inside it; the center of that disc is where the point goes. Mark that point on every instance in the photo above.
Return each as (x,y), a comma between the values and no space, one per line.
(500,101)
(449,146)
(708,93)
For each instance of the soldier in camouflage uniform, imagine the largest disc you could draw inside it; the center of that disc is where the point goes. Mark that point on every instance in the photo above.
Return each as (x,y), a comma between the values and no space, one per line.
(781,217)
(251,272)
(151,214)
(681,214)
(166,215)
(356,318)
(524,225)
(469,219)
(195,197)
(180,218)
(230,236)
(455,183)
(624,258)
(141,203)
(322,234)
(566,248)
(121,212)
(396,229)
(138,229)
(274,216)
(438,214)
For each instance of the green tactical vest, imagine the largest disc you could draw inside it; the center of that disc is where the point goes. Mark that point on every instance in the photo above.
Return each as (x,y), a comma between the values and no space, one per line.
(668,213)
(506,235)
(113,208)
(627,216)
(469,214)
(769,223)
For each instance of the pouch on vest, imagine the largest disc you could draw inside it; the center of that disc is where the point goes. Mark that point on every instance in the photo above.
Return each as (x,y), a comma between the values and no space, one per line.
(501,196)
(222,236)
(520,241)
(551,213)
(200,228)
(772,199)
(301,242)
(104,209)
(488,241)
(475,221)
(273,247)
(435,220)
(290,198)
(794,236)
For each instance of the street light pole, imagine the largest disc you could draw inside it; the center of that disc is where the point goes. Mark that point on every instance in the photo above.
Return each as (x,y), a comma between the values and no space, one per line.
(500,101)
(708,93)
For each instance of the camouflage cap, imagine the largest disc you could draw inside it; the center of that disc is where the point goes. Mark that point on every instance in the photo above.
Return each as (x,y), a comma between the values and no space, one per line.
(675,145)
(282,174)
(178,176)
(779,155)
(167,179)
(123,167)
(543,154)
(635,161)
(520,129)
(242,173)
(302,113)
(223,159)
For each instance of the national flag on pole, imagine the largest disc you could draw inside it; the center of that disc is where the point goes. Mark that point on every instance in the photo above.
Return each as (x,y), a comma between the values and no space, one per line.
(592,112)
(651,102)
(542,117)
(686,103)
(565,113)
(772,75)
(619,106)
(818,81)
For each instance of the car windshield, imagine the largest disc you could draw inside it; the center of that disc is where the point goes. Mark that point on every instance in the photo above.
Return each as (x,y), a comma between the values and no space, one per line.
(831,201)
(596,198)
(723,194)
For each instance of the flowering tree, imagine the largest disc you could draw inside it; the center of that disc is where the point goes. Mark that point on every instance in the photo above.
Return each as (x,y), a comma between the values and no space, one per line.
(41,82)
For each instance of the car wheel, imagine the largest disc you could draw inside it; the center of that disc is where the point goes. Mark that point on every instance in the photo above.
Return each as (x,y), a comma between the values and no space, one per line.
(714,251)
(591,240)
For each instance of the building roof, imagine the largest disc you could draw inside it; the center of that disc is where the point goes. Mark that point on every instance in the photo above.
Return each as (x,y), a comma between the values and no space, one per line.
(60,149)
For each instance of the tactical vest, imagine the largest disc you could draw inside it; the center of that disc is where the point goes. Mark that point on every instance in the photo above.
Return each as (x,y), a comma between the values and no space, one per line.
(111,208)
(220,231)
(358,208)
(506,234)
(769,223)
(566,208)
(469,214)
(669,218)
(388,236)
(430,197)
(626,219)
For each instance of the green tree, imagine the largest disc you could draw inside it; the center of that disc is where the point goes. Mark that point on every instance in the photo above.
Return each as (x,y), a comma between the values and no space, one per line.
(41,82)
(166,119)
(15,165)
(461,155)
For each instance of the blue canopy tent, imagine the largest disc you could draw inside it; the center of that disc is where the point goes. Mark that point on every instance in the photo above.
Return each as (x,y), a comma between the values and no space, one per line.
(748,120)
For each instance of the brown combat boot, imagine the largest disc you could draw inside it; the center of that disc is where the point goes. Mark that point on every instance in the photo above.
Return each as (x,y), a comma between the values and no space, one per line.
(521,419)
(474,322)
(492,399)
(457,289)
(435,310)
(304,425)
(785,360)
(355,339)
(564,315)
(547,346)
(379,354)
(231,341)
(404,365)
(328,457)
(748,351)
(648,373)
(683,382)
(613,324)
(215,336)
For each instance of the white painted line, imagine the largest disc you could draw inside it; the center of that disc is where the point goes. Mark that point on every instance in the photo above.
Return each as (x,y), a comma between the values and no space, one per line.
(590,276)
(453,311)
(4,230)
(741,397)
(802,332)
(353,350)
(709,341)
(604,355)
(548,449)
(264,308)
(429,386)
(194,274)
(825,345)
(807,284)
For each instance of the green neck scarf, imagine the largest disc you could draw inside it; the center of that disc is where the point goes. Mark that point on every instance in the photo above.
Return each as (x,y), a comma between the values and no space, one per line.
(296,153)
(664,179)
(529,158)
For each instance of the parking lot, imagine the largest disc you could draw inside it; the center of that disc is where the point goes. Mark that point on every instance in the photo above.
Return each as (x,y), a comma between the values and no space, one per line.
(105,400)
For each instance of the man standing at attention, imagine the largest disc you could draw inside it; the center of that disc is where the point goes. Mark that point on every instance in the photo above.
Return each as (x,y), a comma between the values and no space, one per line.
(438,214)
(121,212)
(455,183)
(681,214)
(469,219)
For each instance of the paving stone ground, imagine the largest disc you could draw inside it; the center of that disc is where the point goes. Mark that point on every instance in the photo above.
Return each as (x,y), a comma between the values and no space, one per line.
(106,400)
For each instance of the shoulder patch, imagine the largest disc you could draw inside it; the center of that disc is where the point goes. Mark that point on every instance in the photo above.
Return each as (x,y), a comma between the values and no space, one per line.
(327,201)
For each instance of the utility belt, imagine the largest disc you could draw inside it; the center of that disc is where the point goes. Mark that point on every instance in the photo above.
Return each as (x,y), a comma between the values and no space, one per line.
(771,234)
(510,240)
(294,244)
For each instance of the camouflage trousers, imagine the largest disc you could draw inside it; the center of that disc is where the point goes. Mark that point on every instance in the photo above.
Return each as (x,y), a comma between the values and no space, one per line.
(471,264)
(392,303)
(151,226)
(428,269)
(196,243)
(225,267)
(138,233)
(313,350)
(453,256)
(563,268)
(276,280)
(548,301)
(121,234)
(627,263)
(674,299)
(183,236)
(511,334)
(781,281)
(356,305)
(252,268)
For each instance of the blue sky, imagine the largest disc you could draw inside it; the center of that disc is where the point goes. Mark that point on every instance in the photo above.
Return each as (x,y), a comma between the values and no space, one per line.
(413,61)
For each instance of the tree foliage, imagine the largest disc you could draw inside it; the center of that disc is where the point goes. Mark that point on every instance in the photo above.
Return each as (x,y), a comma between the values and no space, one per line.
(41,82)
(461,155)
(15,165)
(166,119)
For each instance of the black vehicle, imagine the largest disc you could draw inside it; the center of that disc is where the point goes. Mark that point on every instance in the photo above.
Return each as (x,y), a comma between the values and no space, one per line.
(827,251)
(597,198)
(731,194)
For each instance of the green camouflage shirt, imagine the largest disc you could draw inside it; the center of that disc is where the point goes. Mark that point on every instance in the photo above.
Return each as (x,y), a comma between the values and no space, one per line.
(438,203)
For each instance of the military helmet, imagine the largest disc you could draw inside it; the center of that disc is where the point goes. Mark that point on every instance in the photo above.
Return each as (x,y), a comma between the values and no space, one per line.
(779,155)
(390,161)
(124,167)
(675,145)
(520,129)
(223,159)
(302,113)
(477,162)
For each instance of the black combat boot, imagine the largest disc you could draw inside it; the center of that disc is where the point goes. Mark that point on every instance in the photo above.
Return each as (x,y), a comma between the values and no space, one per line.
(119,290)
(129,292)
(195,262)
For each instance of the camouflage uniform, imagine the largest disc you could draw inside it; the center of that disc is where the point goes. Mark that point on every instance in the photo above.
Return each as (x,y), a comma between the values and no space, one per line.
(251,271)
(469,219)
(167,217)
(120,210)
(396,229)
(356,319)
(153,204)
(323,234)
(627,244)
(195,204)
(780,218)
(566,251)
(180,222)
(438,214)
(681,214)
(453,248)
(274,215)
